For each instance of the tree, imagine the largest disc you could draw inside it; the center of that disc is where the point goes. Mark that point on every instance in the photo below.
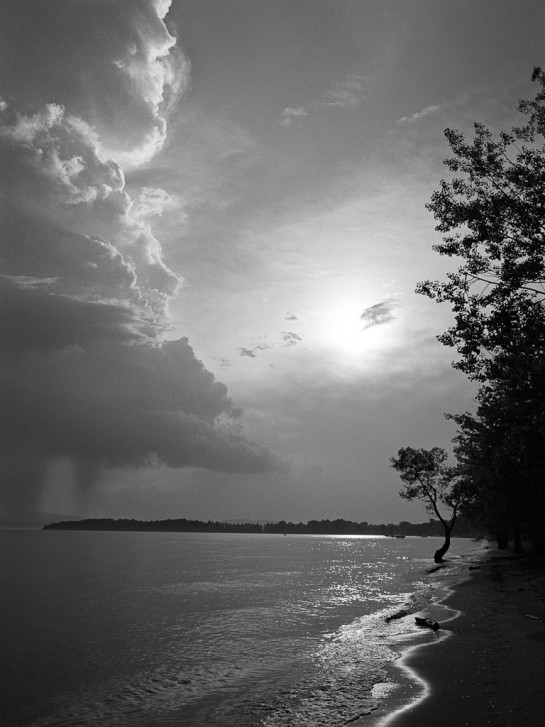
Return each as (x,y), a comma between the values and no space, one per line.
(492,216)
(426,477)
(501,458)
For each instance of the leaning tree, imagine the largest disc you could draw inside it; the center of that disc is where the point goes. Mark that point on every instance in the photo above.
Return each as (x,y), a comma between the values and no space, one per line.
(427,477)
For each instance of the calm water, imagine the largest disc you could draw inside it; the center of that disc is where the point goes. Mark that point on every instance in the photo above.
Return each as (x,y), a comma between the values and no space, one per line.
(191,630)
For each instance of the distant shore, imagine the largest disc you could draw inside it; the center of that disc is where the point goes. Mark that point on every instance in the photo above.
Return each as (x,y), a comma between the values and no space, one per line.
(490,670)
(432,528)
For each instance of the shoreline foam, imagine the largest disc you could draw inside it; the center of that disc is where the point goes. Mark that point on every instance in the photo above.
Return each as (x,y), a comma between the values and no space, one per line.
(489,669)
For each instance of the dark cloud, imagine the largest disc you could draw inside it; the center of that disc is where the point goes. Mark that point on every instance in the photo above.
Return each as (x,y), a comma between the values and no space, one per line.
(251,352)
(290,338)
(85,370)
(378,314)
(126,405)
(246,352)
(33,318)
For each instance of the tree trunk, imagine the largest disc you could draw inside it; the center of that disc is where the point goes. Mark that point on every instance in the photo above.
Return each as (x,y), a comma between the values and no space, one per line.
(438,557)
(502,539)
(517,538)
(537,537)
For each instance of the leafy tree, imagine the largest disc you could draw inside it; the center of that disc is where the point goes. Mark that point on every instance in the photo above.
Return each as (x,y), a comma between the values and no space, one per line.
(426,477)
(492,216)
(501,458)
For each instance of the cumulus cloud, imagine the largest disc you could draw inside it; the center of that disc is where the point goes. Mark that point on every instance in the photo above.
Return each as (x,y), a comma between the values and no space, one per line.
(379,313)
(114,64)
(85,368)
(126,405)
(67,212)
(34,318)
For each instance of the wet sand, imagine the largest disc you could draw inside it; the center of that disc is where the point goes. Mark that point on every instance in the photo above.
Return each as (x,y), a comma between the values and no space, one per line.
(486,667)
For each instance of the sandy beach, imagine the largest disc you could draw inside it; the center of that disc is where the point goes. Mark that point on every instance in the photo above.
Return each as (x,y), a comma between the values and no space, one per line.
(489,671)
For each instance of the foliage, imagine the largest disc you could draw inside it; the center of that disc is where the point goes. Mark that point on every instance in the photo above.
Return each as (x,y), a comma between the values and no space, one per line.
(502,459)
(313,527)
(426,477)
(492,218)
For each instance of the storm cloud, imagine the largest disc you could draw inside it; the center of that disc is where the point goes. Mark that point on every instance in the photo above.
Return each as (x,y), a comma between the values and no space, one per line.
(86,370)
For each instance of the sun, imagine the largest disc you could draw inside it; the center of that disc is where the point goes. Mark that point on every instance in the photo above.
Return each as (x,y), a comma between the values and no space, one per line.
(341,329)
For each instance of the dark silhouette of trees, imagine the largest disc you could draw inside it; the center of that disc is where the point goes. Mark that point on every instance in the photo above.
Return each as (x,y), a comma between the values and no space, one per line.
(493,217)
(313,527)
(426,477)
(501,456)
(491,213)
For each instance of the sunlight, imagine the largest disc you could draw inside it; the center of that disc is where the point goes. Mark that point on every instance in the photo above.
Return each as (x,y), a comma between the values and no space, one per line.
(341,330)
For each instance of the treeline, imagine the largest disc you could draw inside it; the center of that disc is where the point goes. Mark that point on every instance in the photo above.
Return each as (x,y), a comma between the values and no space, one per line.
(312,527)
(491,211)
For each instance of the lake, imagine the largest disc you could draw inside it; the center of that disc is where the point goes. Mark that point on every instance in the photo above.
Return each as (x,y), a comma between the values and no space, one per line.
(194,629)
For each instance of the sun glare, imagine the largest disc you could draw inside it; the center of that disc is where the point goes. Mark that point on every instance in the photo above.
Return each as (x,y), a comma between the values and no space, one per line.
(342,330)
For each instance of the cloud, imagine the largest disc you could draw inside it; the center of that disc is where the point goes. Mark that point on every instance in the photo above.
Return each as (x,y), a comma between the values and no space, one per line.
(289,114)
(427,111)
(347,93)
(67,214)
(152,202)
(127,405)
(86,370)
(249,352)
(223,363)
(290,338)
(379,313)
(113,64)
(33,318)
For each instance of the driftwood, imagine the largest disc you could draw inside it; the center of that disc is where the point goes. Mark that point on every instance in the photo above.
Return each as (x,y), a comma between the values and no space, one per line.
(398,614)
(421,621)
(434,570)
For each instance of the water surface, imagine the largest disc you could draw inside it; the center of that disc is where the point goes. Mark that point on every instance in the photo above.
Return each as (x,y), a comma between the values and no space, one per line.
(195,629)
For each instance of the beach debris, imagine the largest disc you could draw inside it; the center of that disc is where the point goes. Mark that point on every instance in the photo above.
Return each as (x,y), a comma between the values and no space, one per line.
(433,570)
(396,615)
(422,621)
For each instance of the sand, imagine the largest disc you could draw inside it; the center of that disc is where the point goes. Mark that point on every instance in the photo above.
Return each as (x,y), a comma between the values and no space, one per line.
(486,667)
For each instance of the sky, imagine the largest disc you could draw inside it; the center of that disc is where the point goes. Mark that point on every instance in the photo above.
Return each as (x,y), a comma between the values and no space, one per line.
(213,222)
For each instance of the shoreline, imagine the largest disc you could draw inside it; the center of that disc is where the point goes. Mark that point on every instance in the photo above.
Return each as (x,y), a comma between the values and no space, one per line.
(489,666)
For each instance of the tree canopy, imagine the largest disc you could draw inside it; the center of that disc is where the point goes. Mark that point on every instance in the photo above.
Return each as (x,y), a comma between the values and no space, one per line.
(492,217)
(491,213)
(427,477)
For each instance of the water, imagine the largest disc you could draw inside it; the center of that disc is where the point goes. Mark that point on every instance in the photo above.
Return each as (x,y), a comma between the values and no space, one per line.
(194,630)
